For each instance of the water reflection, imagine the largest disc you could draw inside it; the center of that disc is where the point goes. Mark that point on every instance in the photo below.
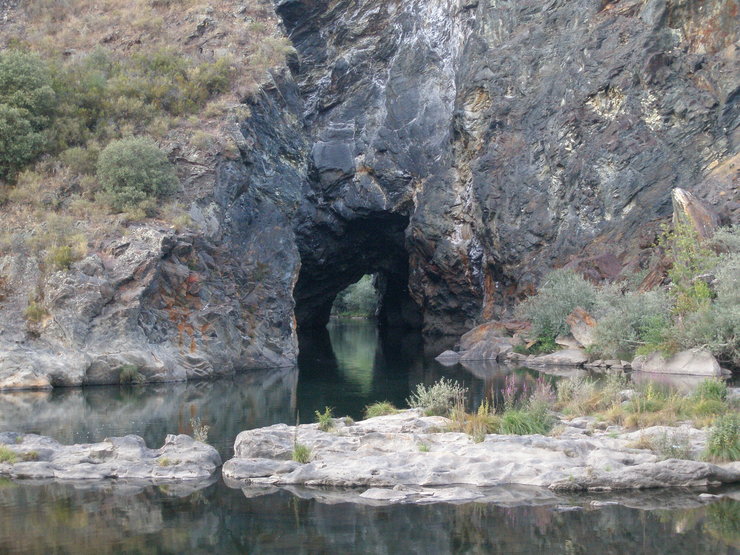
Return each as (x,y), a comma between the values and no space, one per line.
(227,406)
(59,518)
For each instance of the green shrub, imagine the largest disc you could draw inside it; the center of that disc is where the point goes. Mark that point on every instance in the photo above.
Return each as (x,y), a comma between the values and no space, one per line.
(19,142)
(723,442)
(301,453)
(438,399)
(689,258)
(325,419)
(561,292)
(380,408)
(134,169)
(625,322)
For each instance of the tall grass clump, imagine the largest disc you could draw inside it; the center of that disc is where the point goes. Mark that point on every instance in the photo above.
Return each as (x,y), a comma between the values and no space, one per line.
(561,292)
(7,455)
(301,453)
(438,399)
(381,408)
(325,419)
(723,442)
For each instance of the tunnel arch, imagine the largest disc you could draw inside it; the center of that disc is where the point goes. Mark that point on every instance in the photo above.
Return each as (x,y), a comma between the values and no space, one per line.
(334,257)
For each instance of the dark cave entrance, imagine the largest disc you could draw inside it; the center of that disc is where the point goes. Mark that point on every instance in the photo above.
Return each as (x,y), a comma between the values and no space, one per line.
(333,258)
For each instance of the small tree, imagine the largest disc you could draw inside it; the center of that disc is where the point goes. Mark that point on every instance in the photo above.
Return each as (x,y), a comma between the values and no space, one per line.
(134,169)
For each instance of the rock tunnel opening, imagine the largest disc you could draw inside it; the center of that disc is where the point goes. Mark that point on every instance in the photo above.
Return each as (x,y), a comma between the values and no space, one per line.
(333,258)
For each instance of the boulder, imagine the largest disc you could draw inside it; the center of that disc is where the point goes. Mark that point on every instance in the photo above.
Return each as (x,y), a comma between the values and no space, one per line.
(696,362)
(488,349)
(687,209)
(582,326)
(448,358)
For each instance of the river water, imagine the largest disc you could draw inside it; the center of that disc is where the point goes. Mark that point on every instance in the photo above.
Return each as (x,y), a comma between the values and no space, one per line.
(346,369)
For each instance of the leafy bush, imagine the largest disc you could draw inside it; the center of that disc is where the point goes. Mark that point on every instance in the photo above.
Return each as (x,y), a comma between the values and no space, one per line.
(561,292)
(60,257)
(301,453)
(631,320)
(380,408)
(19,142)
(723,442)
(438,399)
(716,325)
(690,258)
(325,419)
(27,106)
(134,169)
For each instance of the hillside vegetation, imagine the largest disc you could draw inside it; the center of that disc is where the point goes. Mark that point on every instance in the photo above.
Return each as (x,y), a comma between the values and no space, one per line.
(97,95)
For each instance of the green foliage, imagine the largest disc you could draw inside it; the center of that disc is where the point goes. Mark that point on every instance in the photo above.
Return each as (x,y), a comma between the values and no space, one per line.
(438,399)
(689,258)
(27,107)
(325,419)
(424,448)
(541,346)
(359,299)
(165,461)
(628,321)
(712,389)
(723,442)
(129,374)
(301,453)
(19,142)
(380,408)
(716,325)
(133,170)
(561,292)
(7,455)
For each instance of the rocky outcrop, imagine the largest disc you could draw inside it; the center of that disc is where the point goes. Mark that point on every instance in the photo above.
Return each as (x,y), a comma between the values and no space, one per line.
(458,149)
(404,452)
(181,458)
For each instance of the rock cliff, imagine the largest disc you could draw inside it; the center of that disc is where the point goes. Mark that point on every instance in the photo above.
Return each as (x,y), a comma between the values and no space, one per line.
(458,148)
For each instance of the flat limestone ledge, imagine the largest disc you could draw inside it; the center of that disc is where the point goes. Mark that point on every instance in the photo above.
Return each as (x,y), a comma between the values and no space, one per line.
(410,450)
(181,458)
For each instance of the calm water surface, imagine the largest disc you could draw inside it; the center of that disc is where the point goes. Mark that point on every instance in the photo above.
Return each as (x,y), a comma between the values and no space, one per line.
(346,368)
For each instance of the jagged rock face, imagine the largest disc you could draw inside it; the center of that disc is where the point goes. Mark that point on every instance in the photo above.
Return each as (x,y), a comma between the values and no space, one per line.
(513,136)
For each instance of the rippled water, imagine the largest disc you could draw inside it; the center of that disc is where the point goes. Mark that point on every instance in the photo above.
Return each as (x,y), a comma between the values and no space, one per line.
(346,369)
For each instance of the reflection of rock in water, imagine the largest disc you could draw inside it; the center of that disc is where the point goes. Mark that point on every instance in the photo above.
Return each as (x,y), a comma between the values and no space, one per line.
(227,406)
(125,518)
